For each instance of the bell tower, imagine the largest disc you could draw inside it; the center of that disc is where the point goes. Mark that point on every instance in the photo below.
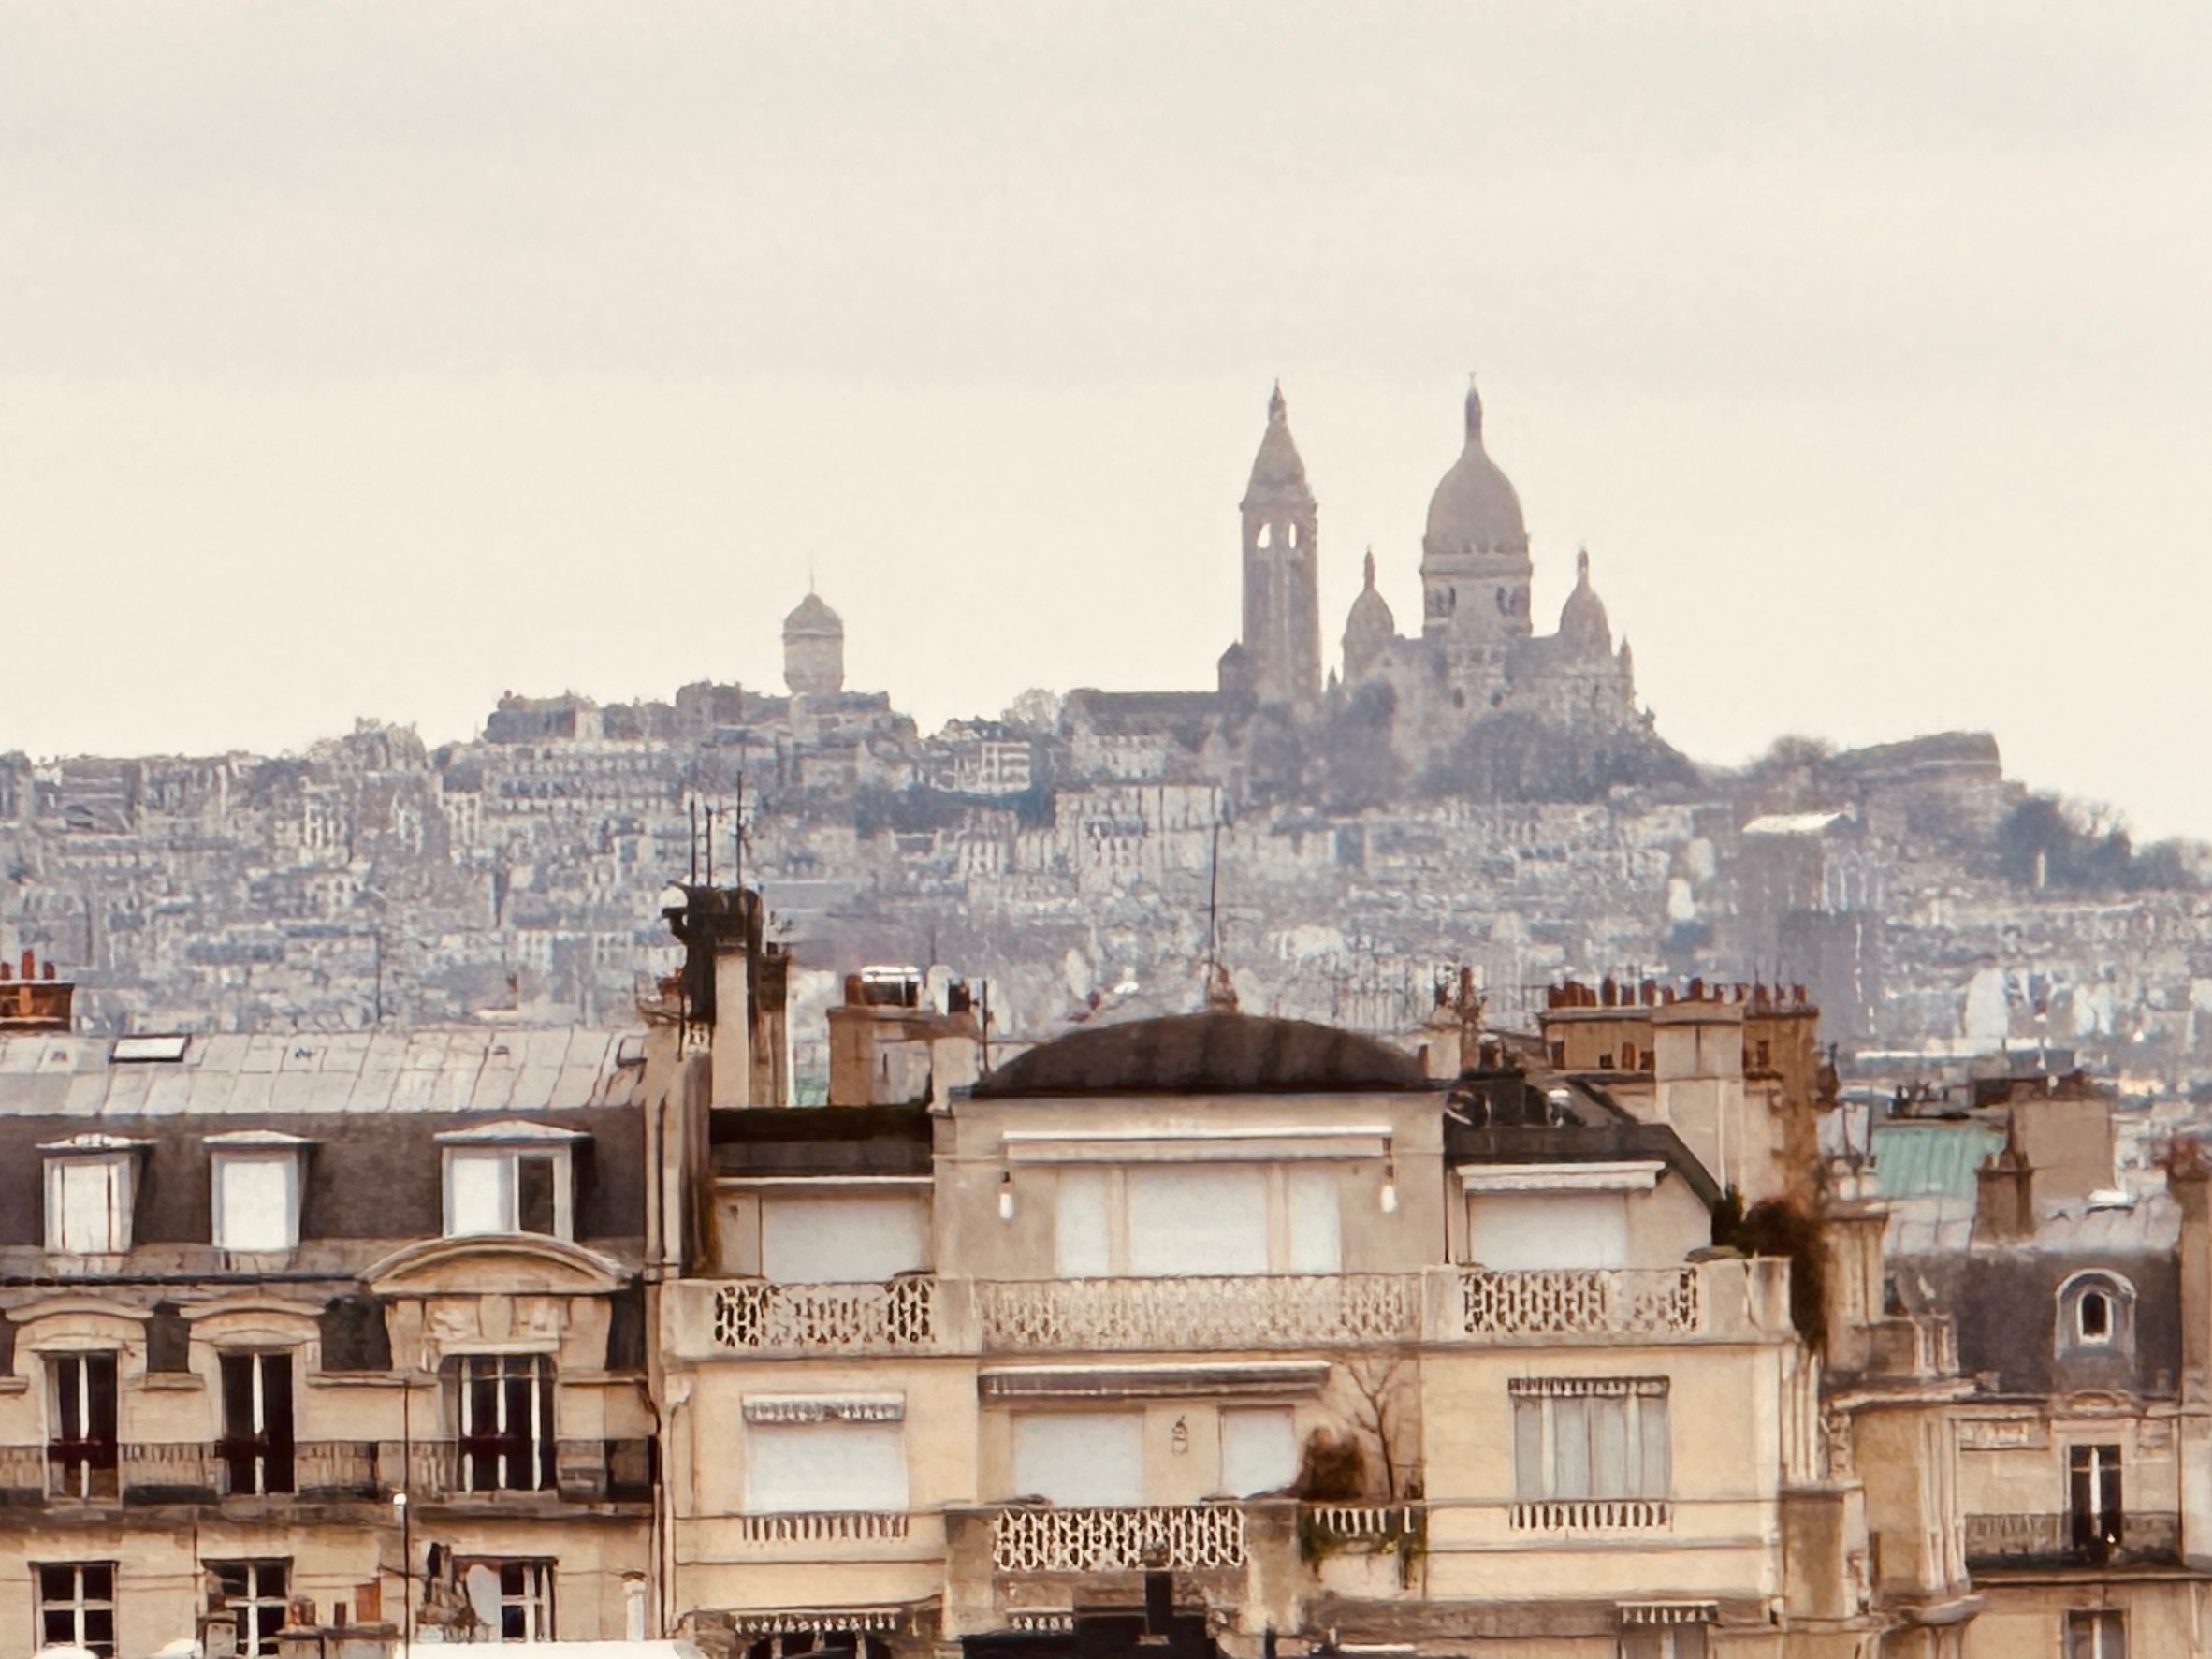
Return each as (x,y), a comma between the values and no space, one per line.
(1282,636)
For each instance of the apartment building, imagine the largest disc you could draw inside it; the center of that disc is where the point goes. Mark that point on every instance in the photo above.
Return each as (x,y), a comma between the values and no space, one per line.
(341,1329)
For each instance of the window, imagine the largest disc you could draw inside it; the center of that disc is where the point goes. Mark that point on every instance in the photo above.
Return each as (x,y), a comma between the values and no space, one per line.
(831,1465)
(1526,1231)
(2094,1312)
(496,1189)
(1258,1450)
(507,1422)
(1681,1642)
(88,1203)
(1169,1220)
(254,1591)
(80,1445)
(848,1240)
(255,1193)
(513,1600)
(77,1606)
(256,1449)
(2097,1633)
(1589,1437)
(1080,1457)
(2094,1499)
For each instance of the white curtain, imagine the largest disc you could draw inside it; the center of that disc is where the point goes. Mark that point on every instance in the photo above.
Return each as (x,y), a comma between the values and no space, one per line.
(479,1201)
(1080,1457)
(95,1197)
(1198,1221)
(841,1240)
(826,1466)
(254,1202)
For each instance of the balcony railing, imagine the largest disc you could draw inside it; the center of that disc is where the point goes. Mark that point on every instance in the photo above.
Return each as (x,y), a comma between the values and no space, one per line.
(2060,1540)
(818,1526)
(755,1315)
(315,1470)
(1261,1311)
(1583,1515)
(1583,1302)
(1184,1538)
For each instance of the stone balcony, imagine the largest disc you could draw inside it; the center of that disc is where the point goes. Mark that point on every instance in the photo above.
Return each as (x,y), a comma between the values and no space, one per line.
(2045,1541)
(1720,1301)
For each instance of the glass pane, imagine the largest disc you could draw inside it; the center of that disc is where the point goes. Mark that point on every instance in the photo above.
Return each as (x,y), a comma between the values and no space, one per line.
(533,1199)
(1080,1233)
(1652,1478)
(1570,1449)
(57,1583)
(100,1580)
(1528,1450)
(1608,1450)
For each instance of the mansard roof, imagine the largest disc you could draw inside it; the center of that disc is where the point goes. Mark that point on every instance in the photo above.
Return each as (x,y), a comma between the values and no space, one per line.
(1205,1054)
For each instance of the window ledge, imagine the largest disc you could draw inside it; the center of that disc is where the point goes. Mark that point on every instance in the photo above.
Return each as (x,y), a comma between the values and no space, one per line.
(15,1384)
(173,1381)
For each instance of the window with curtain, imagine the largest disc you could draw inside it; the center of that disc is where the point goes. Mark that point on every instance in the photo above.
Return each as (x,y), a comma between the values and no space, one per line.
(1589,1437)
(1093,1458)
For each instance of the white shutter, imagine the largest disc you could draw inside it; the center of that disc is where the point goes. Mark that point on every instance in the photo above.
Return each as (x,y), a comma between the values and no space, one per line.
(93,1198)
(1081,1238)
(826,1466)
(1258,1450)
(1317,1243)
(254,1202)
(1512,1233)
(478,1196)
(840,1241)
(1198,1221)
(1080,1457)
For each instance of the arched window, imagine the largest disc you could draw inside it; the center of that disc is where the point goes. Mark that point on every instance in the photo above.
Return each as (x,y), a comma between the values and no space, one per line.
(2096,1313)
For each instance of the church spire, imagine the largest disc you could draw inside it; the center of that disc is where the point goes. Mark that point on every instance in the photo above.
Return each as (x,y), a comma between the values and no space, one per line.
(1473,416)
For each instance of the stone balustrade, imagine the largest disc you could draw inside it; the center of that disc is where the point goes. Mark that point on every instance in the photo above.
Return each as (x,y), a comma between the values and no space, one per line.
(1258,1311)
(818,1526)
(1182,1538)
(1583,1302)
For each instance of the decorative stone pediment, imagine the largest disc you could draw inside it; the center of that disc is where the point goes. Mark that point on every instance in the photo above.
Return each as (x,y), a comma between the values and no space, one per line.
(254,1319)
(60,1323)
(501,1264)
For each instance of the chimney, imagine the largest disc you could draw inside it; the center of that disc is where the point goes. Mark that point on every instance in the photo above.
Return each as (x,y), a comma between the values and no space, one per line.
(2005,1198)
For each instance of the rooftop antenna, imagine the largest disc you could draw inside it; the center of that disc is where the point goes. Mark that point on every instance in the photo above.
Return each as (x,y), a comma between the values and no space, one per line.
(694,808)
(711,844)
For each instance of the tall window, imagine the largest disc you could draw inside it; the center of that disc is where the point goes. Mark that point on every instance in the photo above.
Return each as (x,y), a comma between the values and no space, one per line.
(257,1421)
(2097,1633)
(88,1203)
(2094,1499)
(513,1600)
(254,1591)
(505,1411)
(81,1458)
(77,1606)
(1589,1437)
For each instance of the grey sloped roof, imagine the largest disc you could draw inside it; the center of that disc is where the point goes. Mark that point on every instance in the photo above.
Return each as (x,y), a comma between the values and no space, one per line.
(1206,1053)
(464,1068)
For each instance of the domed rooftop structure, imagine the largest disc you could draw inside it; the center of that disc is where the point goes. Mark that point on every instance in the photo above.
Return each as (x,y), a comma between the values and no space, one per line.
(812,619)
(1370,628)
(1207,1053)
(1583,627)
(1474,509)
(1276,471)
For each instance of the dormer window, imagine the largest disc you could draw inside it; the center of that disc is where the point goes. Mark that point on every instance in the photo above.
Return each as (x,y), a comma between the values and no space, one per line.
(510,1178)
(91,1190)
(2096,1311)
(254,1180)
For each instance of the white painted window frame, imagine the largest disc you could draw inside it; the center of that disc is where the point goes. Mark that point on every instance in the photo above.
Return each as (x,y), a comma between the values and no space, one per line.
(122,1199)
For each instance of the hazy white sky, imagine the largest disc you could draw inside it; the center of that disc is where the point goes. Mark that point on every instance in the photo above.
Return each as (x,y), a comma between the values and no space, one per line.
(376,358)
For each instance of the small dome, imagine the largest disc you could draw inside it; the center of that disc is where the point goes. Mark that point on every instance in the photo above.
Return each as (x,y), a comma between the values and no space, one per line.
(1207,1053)
(1583,627)
(1371,611)
(1276,471)
(812,618)
(1474,509)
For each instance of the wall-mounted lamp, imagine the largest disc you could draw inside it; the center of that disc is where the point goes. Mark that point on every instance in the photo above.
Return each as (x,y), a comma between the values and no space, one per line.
(1389,1188)
(1006,1195)
(1179,1436)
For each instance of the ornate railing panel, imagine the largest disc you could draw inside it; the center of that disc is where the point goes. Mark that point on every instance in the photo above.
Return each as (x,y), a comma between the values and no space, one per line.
(823,1526)
(1560,1515)
(1044,1540)
(2065,1540)
(1255,1311)
(848,1318)
(1583,1302)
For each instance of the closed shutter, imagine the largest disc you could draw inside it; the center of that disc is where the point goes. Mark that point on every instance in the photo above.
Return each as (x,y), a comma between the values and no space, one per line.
(1258,1450)
(1080,1457)
(841,1240)
(1081,1237)
(1197,1221)
(826,1466)
(1516,1233)
(1317,1240)
(253,1198)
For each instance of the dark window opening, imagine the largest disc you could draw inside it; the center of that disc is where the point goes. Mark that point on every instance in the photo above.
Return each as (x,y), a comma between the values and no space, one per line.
(2094,1500)
(254,1592)
(533,1195)
(77,1606)
(2095,1312)
(507,1422)
(80,1459)
(256,1449)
